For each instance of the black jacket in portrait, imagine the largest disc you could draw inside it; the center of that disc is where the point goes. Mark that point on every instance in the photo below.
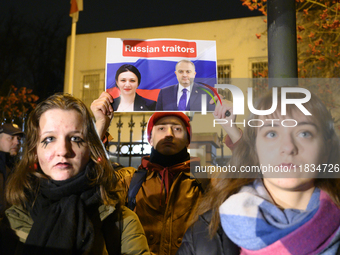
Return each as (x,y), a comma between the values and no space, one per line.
(140,104)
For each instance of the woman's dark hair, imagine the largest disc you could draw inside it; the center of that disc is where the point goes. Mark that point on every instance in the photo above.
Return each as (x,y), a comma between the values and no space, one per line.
(128,68)
(25,179)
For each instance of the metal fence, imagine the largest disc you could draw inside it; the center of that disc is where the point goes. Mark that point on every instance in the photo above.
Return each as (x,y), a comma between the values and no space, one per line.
(130,152)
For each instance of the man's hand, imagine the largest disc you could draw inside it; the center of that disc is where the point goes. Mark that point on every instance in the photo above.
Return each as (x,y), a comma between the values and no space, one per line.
(103,112)
(225,111)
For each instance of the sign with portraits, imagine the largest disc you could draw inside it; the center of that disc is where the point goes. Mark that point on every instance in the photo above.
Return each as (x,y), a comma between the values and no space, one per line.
(137,71)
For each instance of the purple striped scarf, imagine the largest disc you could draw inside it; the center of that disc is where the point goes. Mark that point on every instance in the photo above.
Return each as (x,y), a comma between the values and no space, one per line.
(251,220)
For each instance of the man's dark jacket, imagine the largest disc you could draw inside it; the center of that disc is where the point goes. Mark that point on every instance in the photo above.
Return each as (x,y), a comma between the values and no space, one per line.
(5,169)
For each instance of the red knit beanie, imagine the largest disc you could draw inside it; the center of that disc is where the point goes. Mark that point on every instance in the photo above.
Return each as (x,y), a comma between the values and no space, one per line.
(158,115)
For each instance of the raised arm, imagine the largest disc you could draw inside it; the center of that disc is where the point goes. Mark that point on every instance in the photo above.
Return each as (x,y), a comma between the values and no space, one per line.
(103,112)
(220,113)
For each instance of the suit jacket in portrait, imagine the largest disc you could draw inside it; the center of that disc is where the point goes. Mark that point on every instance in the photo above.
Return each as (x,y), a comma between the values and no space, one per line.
(167,99)
(140,104)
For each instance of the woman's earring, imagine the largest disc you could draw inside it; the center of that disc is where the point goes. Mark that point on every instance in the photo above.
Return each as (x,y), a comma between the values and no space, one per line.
(35,165)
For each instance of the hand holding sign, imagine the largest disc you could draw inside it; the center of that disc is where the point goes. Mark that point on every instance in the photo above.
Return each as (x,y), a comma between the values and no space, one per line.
(103,112)
(225,111)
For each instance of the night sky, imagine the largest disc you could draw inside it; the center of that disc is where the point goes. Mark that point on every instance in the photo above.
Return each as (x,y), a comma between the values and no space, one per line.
(42,16)
(109,15)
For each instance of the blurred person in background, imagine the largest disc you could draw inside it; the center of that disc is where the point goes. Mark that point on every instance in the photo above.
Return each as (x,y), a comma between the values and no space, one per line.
(10,137)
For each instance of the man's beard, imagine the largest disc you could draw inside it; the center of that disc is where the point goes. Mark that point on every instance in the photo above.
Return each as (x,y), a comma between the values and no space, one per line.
(13,152)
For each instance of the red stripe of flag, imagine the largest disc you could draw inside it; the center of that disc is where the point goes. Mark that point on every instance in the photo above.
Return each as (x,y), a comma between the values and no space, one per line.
(74,7)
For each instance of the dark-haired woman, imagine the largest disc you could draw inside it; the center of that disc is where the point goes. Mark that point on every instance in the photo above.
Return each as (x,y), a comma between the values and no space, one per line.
(128,79)
(63,191)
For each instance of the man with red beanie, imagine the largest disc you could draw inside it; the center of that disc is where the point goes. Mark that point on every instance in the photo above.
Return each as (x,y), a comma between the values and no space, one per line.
(161,191)
(164,195)
(167,195)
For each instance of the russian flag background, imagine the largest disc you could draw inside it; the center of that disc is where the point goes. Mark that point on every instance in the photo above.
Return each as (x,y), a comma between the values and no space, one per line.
(158,68)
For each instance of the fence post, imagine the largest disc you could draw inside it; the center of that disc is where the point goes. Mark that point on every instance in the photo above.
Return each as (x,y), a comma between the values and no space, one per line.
(119,126)
(131,126)
(143,125)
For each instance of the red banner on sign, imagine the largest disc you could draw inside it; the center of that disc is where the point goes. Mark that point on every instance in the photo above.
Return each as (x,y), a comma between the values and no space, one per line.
(163,48)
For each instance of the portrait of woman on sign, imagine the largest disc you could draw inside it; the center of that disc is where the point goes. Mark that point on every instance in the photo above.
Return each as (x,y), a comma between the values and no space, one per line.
(127,80)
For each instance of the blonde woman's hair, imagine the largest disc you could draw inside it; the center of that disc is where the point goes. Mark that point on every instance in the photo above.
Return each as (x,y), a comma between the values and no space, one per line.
(25,180)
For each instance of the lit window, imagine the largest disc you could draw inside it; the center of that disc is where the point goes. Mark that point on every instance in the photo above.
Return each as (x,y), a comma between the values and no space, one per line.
(91,88)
